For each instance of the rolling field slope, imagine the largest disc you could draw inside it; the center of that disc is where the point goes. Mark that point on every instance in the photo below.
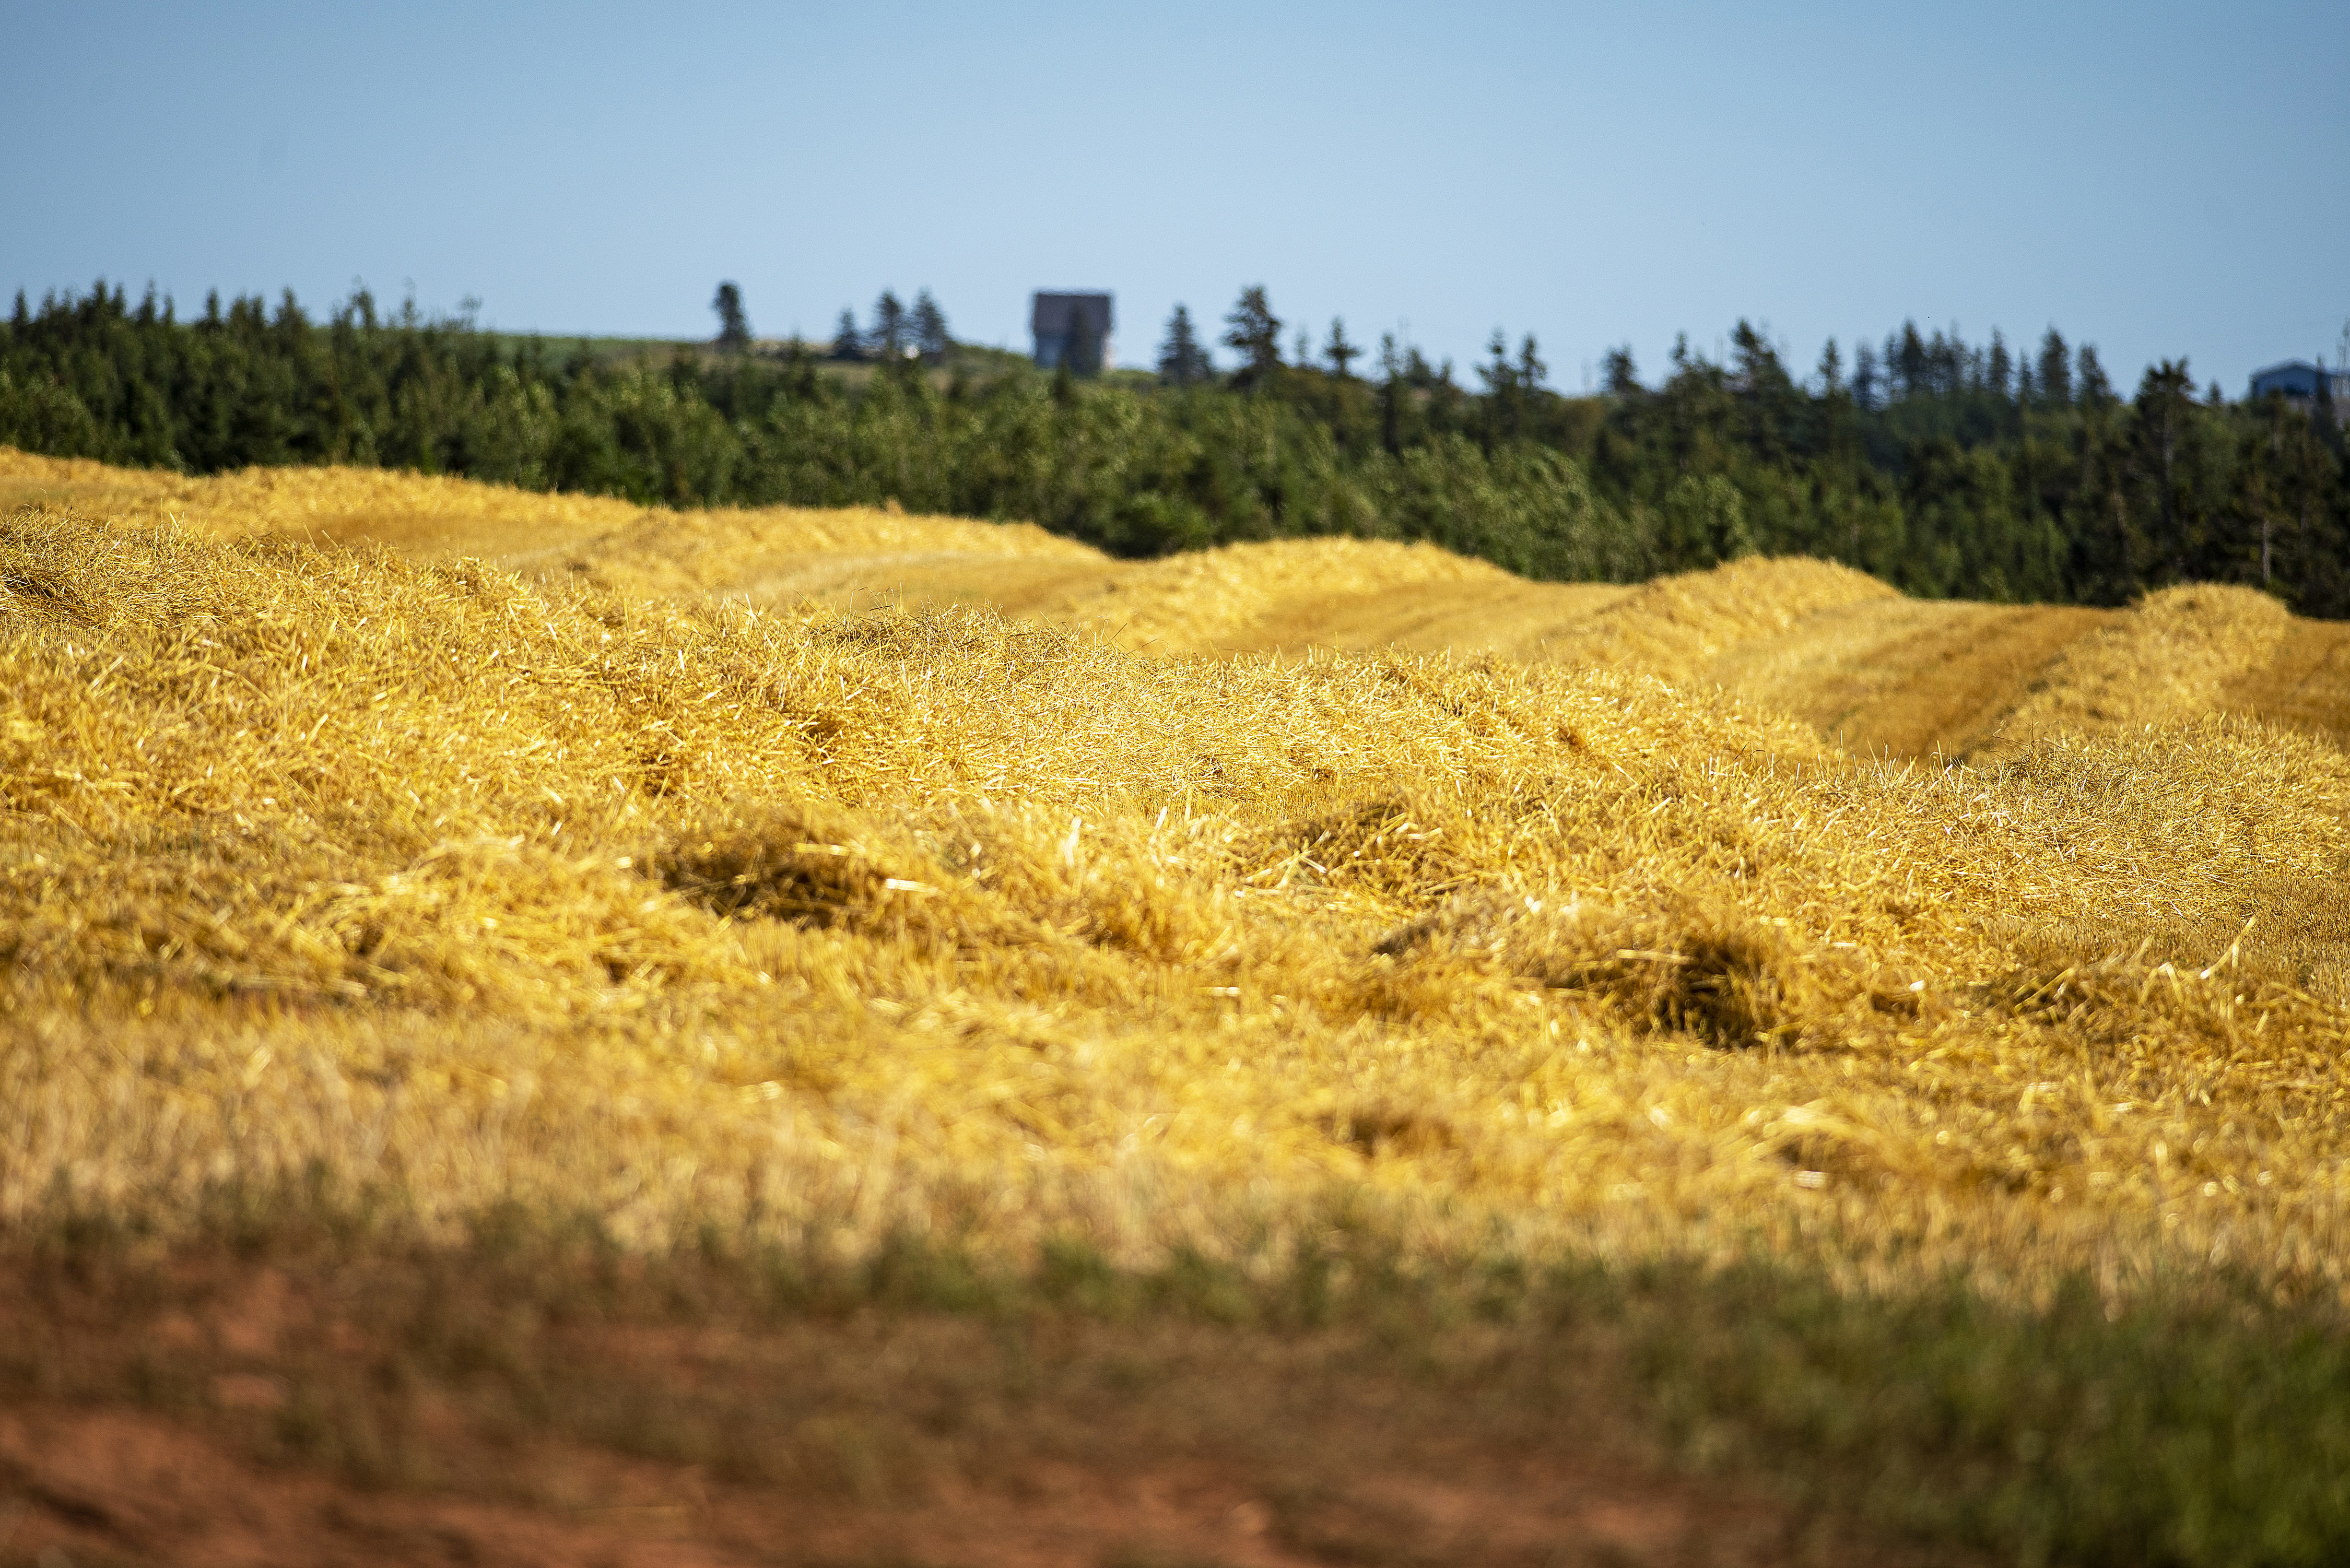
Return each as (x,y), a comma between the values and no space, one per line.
(1876,672)
(660,887)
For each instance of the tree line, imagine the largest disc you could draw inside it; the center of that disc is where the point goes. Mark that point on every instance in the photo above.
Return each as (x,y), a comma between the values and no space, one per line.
(1946,468)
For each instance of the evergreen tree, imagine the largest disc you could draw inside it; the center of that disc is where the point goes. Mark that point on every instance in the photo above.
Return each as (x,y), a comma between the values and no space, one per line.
(929,329)
(1531,371)
(847,342)
(2055,371)
(1393,393)
(2259,500)
(1182,362)
(2305,464)
(1504,396)
(1866,384)
(2095,391)
(1339,351)
(1906,363)
(1618,375)
(890,329)
(1943,371)
(733,327)
(2165,402)
(1831,424)
(1251,327)
(1998,369)
(1495,372)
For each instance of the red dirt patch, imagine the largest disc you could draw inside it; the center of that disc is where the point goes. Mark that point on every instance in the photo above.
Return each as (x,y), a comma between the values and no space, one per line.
(398,1411)
(126,1486)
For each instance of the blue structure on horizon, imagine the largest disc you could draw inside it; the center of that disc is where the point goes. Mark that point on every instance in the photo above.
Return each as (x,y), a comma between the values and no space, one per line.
(1075,329)
(2303,382)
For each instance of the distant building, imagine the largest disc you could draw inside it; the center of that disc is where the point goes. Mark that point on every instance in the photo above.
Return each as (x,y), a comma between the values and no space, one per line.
(1072,328)
(2302,382)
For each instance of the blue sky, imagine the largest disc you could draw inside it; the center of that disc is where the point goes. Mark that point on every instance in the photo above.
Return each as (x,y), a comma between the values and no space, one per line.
(2157,179)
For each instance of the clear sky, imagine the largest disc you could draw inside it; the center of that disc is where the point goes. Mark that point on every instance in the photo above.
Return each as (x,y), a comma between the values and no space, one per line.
(2159,179)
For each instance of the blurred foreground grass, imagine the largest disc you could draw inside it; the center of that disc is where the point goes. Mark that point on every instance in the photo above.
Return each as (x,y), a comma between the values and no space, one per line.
(2202,1422)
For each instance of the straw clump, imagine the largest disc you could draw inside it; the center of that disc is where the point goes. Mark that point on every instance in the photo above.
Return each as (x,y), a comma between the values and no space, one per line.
(473,889)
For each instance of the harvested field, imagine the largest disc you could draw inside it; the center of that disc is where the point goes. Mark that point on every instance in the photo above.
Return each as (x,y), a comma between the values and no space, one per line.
(2304,683)
(1876,673)
(625,895)
(1492,614)
(1906,678)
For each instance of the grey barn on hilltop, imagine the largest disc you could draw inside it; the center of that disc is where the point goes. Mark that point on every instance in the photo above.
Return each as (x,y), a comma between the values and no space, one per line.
(1073,330)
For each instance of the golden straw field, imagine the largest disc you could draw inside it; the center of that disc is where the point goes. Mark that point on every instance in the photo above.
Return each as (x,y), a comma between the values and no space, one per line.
(845,874)
(529,1027)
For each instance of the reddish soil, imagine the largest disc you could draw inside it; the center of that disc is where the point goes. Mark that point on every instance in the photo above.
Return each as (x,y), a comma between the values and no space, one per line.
(122,1486)
(160,1417)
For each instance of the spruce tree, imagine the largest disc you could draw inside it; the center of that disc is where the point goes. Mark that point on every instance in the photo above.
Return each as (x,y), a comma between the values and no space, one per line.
(1940,370)
(847,342)
(888,337)
(733,327)
(1339,351)
(2055,371)
(1392,393)
(1619,375)
(1181,361)
(2164,407)
(929,329)
(1907,363)
(2257,500)
(1252,328)
(1866,384)
(1831,426)
(1503,413)
(2093,390)
(1998,369)
(1495,372)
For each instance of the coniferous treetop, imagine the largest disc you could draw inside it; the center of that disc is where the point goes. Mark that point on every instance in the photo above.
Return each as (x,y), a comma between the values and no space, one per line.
(733,325)
(1252,329)
(928,327)
(1182,361)
(847,342)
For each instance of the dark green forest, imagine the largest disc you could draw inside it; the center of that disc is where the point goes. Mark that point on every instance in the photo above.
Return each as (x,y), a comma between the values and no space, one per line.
(1946,468)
